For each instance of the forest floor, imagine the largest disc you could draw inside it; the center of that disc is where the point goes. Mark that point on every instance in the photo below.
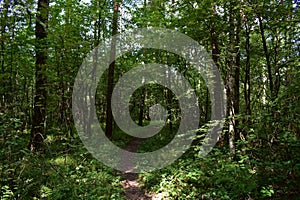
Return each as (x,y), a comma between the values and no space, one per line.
(131,186)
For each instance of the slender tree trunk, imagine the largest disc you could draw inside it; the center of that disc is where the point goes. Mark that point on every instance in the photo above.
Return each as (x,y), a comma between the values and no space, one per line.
(267,55)
(169,101)
(92,96)
(273,86)
(276,84)
(60,84)
(39,114)
(97,36)
(142,100)
(232,78)
(3,38)
(215,56)
(214,39)
(247,84)
(214,46)
(110,81)
(142,105)
(237,74)
(207,105)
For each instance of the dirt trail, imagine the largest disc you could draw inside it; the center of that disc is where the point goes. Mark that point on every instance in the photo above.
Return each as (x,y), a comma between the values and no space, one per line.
(130,184)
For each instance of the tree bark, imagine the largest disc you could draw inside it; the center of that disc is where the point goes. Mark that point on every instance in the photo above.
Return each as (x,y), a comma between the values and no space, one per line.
(92,97)
(247,84)
(237,73)
(267,55)
(110,81)
(39,113)
(232,77)
(3,38)
(230,83)
(169,101)
(142,105)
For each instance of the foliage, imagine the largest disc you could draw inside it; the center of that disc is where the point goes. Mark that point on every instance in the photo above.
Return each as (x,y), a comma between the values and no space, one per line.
(69,173)
(254,42)
(218,176)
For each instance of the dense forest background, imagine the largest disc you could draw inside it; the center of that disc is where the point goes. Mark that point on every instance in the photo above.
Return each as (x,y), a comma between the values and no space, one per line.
(254,44)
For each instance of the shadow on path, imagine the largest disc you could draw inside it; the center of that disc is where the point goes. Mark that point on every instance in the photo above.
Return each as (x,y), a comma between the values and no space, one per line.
(130,184)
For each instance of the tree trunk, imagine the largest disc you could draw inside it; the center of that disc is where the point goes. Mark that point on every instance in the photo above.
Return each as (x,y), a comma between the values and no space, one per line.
(39,113)
(92,97)
(110,81)
(143,96)
(3,38)
(232,77)
(142,105)
(247,84)
(169,101)
(267,55)
(215,57)
(237,73)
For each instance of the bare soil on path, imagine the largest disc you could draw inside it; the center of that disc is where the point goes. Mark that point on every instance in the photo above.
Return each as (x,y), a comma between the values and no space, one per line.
(130,184)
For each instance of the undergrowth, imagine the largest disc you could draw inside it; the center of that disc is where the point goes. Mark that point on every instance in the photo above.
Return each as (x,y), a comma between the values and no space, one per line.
(65,170)
(220,176)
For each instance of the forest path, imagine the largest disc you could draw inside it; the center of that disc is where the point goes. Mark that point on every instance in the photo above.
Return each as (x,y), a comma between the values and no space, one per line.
(130,184)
